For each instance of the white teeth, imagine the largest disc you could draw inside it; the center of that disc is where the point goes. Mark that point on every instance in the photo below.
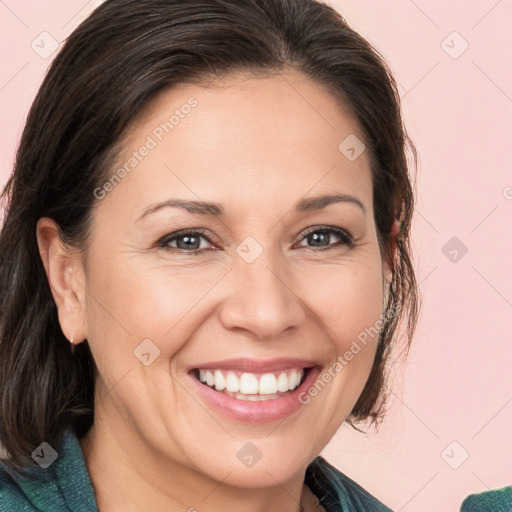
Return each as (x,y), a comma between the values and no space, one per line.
(210,379)
(255,398)
(268,384)
(282,382)
(249,386)
(232,383)
(220,381)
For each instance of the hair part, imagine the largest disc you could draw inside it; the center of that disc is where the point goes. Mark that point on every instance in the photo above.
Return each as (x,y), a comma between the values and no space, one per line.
(105,74)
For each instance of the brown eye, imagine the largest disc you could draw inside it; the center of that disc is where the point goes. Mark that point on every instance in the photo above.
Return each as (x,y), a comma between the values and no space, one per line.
(321,237)
(187,241)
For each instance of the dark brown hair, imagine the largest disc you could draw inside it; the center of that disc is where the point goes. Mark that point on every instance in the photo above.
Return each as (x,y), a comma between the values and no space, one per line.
(108,70)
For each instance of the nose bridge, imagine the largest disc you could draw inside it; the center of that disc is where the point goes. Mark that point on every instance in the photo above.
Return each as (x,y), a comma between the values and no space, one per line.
(261,300)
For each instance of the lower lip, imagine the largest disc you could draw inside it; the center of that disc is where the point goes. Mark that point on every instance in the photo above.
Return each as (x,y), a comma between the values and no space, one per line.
(260,411)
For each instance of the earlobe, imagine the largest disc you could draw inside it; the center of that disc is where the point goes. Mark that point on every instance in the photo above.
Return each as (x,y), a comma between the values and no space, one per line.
(64,272)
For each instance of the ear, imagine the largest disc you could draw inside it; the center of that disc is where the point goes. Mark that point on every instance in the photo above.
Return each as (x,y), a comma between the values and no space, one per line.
(66,277)
(393,238)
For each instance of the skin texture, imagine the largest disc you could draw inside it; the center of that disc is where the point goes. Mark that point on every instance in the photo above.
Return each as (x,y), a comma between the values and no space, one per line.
(257,146)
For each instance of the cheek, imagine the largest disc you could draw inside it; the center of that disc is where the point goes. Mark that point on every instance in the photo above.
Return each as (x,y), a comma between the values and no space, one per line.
(134,301)
(350,307)
(348,299)
(136,309)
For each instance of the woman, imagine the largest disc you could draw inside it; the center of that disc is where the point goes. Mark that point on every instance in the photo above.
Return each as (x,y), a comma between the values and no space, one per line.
(211,201)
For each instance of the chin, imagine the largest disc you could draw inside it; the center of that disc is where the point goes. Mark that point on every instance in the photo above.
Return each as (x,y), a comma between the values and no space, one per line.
(250,467)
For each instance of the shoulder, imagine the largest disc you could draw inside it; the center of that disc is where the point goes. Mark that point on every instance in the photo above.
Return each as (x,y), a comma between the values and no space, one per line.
(337,492)
(496,500)
(60,484)
(12,496)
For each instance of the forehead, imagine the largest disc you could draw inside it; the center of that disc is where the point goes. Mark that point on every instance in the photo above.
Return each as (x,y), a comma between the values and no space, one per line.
(249,139)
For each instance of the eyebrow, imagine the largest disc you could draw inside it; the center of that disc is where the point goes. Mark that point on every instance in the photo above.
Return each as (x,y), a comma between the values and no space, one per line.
(217,210)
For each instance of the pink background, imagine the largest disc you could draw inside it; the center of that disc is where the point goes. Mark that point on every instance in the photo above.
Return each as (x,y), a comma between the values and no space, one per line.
(457,105)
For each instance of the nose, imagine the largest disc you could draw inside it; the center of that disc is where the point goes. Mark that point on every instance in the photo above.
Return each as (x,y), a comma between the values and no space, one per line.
(261,301)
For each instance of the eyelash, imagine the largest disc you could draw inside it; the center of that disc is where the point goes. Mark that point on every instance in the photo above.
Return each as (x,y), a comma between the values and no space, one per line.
(346,238)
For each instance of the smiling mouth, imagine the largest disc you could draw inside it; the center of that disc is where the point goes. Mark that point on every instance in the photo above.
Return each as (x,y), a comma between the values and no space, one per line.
(252,386)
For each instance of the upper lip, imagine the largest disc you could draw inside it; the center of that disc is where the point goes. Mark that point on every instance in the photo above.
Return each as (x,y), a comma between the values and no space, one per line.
(256,365)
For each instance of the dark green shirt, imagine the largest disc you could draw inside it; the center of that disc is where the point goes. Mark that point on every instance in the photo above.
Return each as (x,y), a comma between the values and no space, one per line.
(496,500)
(65,486)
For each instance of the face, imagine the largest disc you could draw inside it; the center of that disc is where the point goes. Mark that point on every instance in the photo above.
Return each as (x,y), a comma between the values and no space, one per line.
(213,327)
